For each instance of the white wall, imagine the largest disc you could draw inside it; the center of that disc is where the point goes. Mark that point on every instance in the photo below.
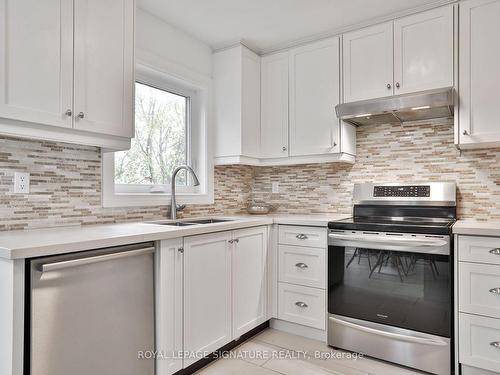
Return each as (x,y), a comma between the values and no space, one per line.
(156,37)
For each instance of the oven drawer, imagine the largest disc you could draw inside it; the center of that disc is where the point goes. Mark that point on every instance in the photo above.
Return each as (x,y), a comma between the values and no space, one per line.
(479,342)
(479,289)
(479,249)
(302,265)
(302,236)
(302,305)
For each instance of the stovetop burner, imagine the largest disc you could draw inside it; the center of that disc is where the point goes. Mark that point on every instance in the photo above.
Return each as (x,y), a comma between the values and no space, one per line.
(396,224)
(428,208)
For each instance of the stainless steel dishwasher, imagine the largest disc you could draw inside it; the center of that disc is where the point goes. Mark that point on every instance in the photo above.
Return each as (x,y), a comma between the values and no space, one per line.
(92,312)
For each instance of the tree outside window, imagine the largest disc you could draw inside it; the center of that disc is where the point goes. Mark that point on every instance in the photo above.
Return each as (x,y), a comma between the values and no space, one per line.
(161,139)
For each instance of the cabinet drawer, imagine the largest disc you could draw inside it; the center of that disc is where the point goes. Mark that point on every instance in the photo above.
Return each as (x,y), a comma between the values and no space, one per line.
(302,236)
(302,305)
(478,341)
(302,265)
(479,249)
(479,289)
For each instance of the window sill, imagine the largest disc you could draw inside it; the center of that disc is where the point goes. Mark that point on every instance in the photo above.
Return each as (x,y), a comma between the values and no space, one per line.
(153,199)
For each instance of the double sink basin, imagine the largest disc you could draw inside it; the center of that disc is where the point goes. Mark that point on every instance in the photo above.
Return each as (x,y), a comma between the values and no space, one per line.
(187,222)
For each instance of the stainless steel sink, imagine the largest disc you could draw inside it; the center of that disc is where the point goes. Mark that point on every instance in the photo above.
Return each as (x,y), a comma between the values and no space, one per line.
(187,222)
(209,221)
(173,223)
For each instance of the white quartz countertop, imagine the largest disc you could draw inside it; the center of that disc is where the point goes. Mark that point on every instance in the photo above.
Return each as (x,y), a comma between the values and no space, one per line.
(58,240)
(477,227)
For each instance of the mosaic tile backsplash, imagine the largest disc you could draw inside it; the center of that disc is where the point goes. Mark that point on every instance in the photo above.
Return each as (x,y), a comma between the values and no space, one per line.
(66,179)
(390,153)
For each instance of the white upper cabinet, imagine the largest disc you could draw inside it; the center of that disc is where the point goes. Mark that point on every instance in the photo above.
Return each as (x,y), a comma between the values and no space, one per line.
(368,63)
(236,73)
(36,61)
(104,66)
(274,106)
(479,77)
(314,93)
(423,51)
(68,64)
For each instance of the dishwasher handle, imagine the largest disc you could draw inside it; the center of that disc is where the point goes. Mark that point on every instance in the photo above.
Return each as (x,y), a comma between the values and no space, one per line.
(48,267)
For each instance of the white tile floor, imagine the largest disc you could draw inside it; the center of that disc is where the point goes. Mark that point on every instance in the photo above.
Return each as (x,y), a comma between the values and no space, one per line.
(273,352)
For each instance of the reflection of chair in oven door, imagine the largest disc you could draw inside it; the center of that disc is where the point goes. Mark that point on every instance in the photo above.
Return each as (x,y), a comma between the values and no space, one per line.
(360,253)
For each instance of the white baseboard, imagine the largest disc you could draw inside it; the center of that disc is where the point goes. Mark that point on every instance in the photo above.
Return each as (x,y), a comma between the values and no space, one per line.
(298,329)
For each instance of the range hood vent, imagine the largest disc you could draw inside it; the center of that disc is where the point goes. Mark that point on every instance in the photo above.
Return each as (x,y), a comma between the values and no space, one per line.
(424,105)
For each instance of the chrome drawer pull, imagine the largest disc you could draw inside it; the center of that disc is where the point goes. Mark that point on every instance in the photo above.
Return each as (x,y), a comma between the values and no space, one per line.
(304,237)
(495,251)
(495,290)
(301,265)
(303,305)
(495,344)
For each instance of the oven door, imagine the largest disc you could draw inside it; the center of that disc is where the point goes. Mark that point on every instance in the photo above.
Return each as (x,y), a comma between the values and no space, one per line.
(390,297)
(401,280)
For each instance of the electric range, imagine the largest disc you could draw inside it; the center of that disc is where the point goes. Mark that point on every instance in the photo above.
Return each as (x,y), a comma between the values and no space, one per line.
(390,275)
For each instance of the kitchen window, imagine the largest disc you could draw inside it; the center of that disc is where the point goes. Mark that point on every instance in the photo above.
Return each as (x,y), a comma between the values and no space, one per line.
(170,128)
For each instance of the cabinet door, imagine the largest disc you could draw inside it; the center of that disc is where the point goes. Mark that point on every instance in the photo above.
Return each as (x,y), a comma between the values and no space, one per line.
(168,289)
(314,93)
(207,293)
(274,106)
(104,66)
(249,279)
(479,71)
(423,51)
(368,63)
(36,61)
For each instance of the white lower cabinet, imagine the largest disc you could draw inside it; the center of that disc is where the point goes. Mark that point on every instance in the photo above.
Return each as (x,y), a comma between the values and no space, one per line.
(169,319)
(479,342)
(207,293)
(249,279)
(302,275)
(210,290)
(302,305)
(478,305)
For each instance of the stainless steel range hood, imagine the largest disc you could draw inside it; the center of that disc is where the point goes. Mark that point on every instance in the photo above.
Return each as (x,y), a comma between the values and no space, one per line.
(423,105)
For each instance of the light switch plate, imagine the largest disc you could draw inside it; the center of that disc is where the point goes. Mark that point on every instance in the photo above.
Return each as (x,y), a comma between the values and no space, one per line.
(21,183)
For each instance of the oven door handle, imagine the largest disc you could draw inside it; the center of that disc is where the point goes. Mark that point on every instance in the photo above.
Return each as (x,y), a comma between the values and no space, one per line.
(390,241)
(396,336)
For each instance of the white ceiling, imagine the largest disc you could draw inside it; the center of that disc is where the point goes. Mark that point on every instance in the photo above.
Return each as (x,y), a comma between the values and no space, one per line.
(268,24)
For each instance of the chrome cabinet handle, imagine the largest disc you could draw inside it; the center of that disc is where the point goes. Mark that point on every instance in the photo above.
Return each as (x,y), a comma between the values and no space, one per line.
(301,304)
(398,85)
(301,265)
(68,112)
(495,251)
(284,148)
(301,236)
(81,115)
(495,344)
(236,240)
(495,290)
(465,132)
(389,86)
(180,250)
(230,241)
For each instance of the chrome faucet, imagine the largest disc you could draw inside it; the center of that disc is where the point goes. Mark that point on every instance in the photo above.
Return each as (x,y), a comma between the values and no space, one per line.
(173,207)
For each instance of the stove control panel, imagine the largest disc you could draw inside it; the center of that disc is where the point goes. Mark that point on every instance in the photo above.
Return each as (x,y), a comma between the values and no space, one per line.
(402,191)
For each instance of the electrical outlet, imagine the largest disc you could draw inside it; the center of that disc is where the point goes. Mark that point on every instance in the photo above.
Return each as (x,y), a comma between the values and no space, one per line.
(21,183)
(276,187)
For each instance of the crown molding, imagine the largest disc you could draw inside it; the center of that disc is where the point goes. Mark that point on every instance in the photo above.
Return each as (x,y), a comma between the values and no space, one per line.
(332,32)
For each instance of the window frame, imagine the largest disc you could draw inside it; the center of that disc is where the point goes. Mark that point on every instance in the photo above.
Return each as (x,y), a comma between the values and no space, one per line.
(198,150)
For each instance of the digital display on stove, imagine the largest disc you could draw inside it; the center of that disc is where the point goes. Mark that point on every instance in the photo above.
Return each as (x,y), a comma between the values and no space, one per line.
(402,191)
